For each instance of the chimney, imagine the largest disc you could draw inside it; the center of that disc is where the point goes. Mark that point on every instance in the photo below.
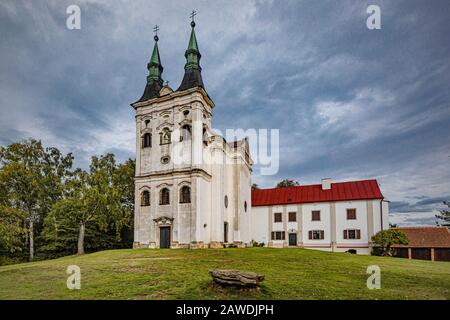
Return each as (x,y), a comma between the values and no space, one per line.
(326,183)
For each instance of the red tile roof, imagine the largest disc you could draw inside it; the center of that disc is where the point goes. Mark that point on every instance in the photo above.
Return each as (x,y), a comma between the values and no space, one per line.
(426,237)
(341,191)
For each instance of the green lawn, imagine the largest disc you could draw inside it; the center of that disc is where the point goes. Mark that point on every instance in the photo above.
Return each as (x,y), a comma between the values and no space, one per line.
(183,274)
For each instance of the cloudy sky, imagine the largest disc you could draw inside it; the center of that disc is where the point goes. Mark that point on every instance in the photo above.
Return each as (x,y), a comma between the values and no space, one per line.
(350,103)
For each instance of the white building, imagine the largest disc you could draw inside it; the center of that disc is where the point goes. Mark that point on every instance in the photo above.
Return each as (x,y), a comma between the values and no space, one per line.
(329,216)
(193,188)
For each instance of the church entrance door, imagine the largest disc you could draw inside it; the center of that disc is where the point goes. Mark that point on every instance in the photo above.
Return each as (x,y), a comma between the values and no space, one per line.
(292,239)
(164,237)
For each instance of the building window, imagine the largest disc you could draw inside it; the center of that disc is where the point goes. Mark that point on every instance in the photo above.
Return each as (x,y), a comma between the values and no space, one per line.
(147,140)
(145,198)
(165,136)
(165,160)
(225,201)
(164,196)
(292,216)
(278,235)
(185,133)
(205,137)
(185,195)
(316,235)
(245,206)
(315,215)
(351,214)
(225,232)
(278,217)
(352,234)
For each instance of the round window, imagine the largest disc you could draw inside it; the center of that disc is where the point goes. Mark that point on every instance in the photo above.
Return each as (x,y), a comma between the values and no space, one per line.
(225,200)
(165,160)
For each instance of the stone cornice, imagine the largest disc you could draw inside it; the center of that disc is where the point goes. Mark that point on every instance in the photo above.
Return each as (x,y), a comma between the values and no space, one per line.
(181,172)
(174,95)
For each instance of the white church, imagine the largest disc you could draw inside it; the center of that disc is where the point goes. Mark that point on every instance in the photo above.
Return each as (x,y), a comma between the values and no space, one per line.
(194,189)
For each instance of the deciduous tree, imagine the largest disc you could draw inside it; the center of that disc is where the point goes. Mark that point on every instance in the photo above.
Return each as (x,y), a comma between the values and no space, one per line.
(287,183)
(385,239)
(33,179)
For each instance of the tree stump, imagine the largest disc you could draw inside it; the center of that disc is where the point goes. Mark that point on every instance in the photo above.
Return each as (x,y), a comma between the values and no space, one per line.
(236,278)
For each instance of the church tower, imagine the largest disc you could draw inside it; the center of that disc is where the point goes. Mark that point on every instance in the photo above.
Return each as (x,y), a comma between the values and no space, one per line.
(188,179)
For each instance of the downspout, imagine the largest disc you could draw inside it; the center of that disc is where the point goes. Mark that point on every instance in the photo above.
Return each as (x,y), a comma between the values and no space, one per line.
(381,213)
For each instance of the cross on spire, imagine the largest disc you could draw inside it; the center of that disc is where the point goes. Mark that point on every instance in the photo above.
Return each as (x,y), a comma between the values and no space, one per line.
(155,30)
(193,14)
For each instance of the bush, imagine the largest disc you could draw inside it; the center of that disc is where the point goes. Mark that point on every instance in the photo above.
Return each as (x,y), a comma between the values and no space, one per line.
(256,244)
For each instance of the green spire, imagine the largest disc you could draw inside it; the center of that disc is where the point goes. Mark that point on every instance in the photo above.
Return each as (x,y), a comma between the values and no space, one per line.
(192,70)
(192,53)
(155,69)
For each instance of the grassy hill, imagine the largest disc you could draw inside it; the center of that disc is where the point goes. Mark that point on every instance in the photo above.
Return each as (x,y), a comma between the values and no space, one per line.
(183,274)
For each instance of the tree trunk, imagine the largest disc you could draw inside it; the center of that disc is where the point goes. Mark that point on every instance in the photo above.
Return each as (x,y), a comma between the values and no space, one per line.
(81,239)
(31,239)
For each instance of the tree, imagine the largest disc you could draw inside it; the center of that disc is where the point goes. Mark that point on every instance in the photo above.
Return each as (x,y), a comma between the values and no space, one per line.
(385,239)
(33,179)
(444,215)
(99,199)
(11,228)
(287,183)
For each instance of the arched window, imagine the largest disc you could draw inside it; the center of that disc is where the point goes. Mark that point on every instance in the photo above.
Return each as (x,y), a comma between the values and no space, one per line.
(245,206)
(164,196)
(205,137)
(164,136)
(145,198)
(185,195)
(185,133)
(147,140)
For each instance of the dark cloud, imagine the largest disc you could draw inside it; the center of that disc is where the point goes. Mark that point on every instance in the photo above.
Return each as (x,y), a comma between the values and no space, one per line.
(350,103)
(425,205)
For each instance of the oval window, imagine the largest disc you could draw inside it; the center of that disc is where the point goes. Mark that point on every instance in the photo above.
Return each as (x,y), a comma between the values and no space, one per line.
(225,200)
(165,160)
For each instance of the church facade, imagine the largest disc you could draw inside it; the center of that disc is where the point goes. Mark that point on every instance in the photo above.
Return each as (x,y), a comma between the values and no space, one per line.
(193,188)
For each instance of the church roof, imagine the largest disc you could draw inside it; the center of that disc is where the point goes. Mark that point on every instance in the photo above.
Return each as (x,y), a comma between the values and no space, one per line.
(154,78)
(192,71)
(341,191)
